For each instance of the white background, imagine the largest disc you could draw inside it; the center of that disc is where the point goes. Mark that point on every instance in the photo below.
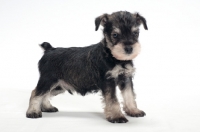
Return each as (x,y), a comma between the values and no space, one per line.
(168,68)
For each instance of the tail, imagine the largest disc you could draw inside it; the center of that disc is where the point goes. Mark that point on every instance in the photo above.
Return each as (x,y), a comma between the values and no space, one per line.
(46,46)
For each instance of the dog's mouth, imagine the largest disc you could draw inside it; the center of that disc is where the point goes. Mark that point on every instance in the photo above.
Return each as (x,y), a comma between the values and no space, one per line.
(121,52)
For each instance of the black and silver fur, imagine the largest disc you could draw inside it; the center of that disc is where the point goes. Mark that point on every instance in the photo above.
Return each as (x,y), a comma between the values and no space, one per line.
(99,67)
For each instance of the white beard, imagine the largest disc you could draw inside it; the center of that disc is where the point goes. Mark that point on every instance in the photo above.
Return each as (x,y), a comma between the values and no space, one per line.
(119,53)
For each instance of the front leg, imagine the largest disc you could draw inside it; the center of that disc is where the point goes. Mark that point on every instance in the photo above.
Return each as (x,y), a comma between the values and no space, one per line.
(112,108)
(129,105)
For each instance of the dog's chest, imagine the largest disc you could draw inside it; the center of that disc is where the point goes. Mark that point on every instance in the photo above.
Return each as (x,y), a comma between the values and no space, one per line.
(127,71)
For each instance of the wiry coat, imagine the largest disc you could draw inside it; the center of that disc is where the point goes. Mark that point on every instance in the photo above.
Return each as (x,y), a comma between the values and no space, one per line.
(101,66)
(84,68)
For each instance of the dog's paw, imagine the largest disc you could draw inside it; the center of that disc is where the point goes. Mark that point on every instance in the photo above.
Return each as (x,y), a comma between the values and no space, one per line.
(53,109)
(136,113)
(34,115)
(118,120)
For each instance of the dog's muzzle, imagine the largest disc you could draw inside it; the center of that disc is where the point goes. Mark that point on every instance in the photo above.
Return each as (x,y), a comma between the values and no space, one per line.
(128,49)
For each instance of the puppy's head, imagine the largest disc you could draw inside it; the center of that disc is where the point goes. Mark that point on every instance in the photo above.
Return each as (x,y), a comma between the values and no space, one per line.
(121,32)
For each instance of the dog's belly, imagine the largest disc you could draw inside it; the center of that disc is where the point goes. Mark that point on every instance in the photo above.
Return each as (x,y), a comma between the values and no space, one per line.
(90,88)
(65,85)
(83,80)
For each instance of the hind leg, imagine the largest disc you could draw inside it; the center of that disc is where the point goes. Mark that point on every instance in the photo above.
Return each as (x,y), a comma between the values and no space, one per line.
(46,105)
(34,110)
(37,97)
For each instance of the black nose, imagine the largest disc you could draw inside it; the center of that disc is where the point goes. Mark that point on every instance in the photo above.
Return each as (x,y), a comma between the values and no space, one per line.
(128,50)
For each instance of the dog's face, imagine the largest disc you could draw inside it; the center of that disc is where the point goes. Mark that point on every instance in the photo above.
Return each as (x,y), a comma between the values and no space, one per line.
(121,32)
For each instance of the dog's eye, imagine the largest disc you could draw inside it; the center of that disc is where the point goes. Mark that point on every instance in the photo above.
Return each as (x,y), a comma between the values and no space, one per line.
(115,35)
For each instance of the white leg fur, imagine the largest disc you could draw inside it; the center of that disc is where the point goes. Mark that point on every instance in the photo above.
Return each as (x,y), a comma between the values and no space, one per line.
(35,103)
(129,99)
(112,108)
(46,103)
(129,104)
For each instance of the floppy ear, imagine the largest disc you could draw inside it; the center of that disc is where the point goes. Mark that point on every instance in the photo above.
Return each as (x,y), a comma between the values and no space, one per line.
(140,19)
(101,20)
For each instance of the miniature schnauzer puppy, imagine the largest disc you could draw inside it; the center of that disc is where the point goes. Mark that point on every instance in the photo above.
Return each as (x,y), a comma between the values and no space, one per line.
(99,67)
